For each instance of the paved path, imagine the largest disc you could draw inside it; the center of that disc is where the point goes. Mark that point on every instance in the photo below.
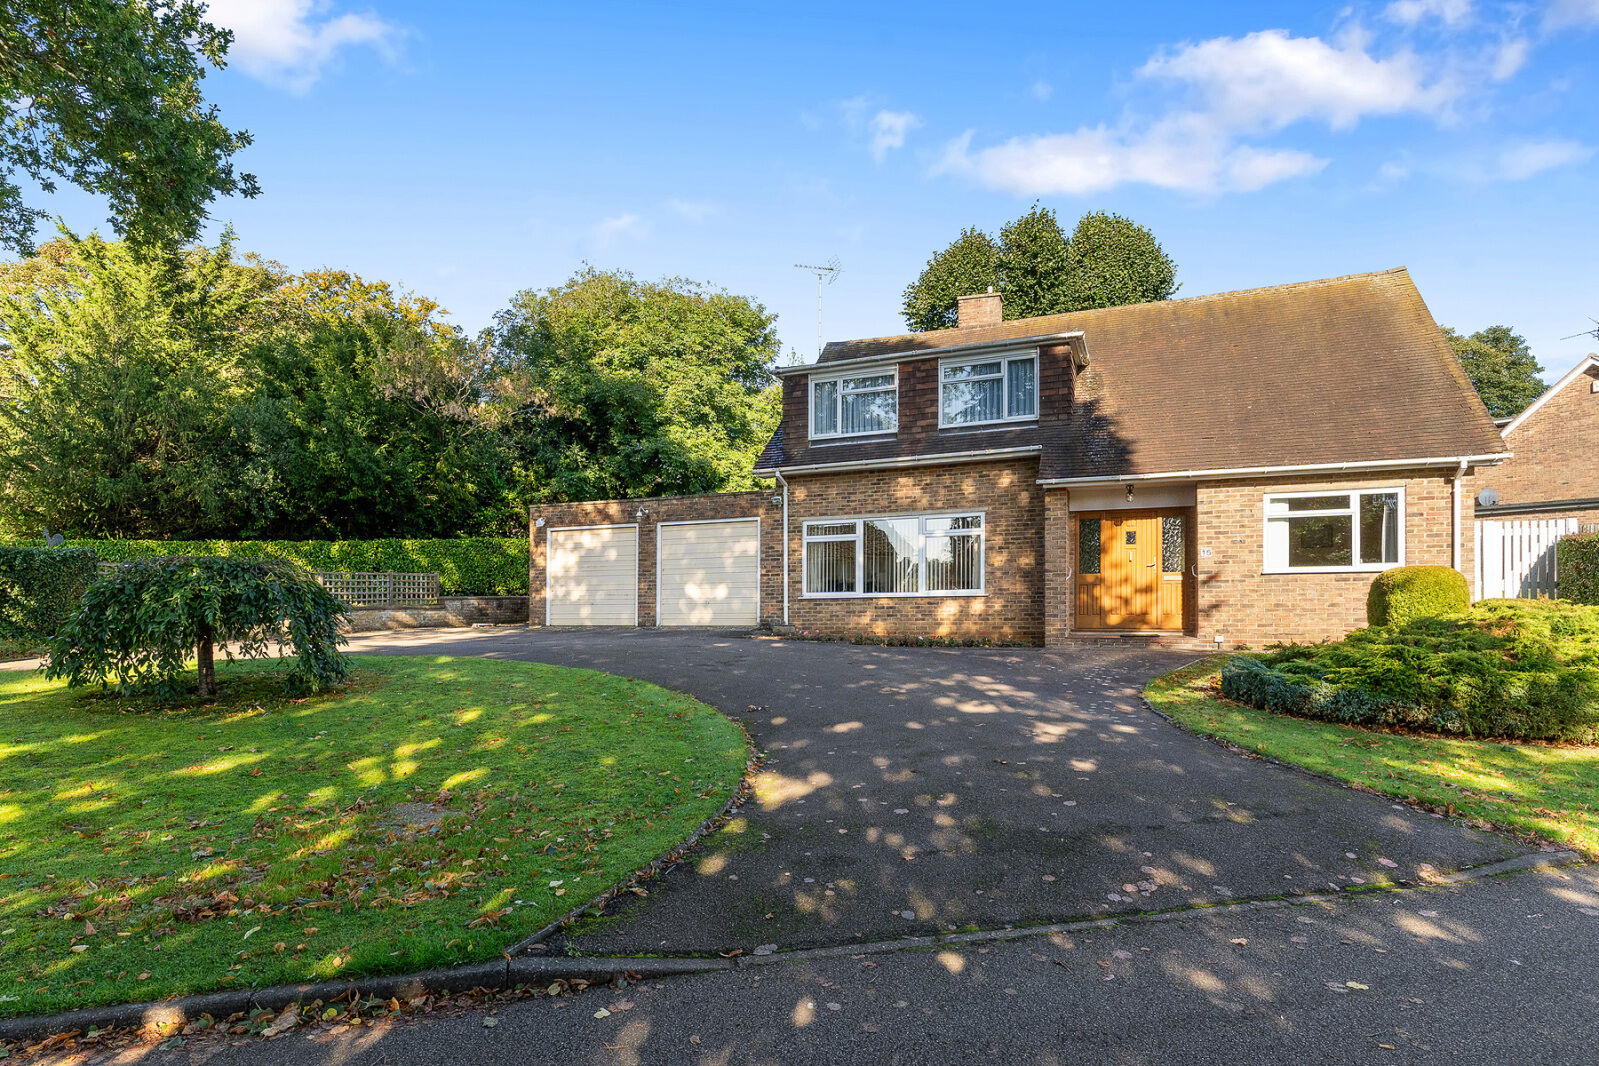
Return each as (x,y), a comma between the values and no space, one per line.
(1474,975)
(910,791)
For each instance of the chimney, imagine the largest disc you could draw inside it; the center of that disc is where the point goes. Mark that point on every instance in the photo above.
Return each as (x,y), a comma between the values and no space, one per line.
(981,309)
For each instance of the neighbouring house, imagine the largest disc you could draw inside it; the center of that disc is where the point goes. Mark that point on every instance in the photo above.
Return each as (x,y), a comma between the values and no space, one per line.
(1232,469)
(1554,472)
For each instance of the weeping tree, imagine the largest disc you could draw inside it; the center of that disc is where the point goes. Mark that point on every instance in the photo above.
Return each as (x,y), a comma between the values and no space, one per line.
(138,628)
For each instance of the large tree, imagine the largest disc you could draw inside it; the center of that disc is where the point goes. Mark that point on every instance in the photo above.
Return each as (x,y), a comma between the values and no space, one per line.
(626,388)
(1501,367)
(105,94)
(1108,260)
(118,378)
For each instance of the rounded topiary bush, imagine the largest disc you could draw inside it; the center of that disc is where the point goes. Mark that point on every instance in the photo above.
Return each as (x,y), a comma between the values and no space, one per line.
(1407,593)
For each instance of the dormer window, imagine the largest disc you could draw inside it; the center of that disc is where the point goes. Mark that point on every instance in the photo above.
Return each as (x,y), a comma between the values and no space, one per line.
(855,405)
(976,392)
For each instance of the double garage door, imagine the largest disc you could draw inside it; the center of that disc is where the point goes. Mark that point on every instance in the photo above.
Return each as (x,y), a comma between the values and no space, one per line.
(707,574)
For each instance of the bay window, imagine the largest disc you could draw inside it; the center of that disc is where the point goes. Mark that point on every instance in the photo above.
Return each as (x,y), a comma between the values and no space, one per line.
(973,392)
(854,405)
(1363,529)
(931,555)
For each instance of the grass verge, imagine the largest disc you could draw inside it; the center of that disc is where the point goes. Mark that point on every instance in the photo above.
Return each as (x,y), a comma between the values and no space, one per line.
(1543,790)
(432,812)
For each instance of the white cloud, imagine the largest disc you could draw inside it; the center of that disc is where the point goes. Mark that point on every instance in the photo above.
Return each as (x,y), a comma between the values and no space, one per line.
(289,42)
(694,211)
(607,230)
(1524,159)
(1563,14)
(1270,79)
(1509,58)
(1041,90)
(888,130)
(1410,12)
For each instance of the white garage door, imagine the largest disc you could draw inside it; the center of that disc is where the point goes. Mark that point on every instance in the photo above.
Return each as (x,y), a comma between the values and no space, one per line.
(710,573)
(592,576)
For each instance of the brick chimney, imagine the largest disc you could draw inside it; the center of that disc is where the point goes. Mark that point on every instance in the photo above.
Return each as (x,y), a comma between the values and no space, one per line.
(981,309)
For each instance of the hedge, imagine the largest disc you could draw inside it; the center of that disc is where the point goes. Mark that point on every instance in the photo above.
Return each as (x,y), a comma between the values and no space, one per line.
(467,566)
(1407,593)
(39,588)
(1577,563)
(1512,669)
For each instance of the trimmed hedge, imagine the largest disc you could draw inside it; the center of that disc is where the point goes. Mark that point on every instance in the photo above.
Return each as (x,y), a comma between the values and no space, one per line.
(1406,593)
(1513,669)
(39,588)
(467,566)
(1577,563)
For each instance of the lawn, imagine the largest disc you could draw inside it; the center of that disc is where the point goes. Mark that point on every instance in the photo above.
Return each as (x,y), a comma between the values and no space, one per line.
(434,811)
(1543,790)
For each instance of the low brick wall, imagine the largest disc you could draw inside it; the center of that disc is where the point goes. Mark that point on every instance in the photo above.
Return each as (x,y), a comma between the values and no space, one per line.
(453,611)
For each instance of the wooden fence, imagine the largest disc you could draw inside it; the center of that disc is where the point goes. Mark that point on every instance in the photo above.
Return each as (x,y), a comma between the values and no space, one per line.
(381,588)
(1516,559)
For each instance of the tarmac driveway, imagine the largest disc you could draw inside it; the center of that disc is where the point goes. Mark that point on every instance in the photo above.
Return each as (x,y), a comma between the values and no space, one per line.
(914,790)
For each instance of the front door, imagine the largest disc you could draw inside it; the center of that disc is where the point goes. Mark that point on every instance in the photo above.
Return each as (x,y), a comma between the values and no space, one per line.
(1131,568)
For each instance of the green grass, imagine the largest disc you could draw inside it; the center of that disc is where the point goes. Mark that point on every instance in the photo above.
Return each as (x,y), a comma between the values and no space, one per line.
(1543,790)
(146,851)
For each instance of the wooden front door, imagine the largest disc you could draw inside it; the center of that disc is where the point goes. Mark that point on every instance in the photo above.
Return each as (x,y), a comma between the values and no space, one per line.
(1131,570)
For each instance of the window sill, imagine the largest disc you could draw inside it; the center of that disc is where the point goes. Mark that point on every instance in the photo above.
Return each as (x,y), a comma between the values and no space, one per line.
(890,595)
(998,423)
(849,438)
(1373,569)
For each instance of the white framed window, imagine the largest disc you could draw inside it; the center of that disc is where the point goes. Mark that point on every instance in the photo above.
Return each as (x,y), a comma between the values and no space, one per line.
(855,405)
(977,392)
(1333,531)
(898,555)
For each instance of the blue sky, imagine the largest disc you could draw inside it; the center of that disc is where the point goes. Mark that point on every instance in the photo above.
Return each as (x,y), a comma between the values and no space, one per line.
(471,150)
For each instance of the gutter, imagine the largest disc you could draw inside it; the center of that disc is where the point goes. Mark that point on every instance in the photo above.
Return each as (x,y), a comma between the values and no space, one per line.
(928,353)
(925,459)
(1304,468)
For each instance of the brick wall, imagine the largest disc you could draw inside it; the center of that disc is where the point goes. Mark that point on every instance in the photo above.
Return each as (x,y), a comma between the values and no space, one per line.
(1012,606)
(1060,554)
(1246,606)
(1555,452)
(657,510)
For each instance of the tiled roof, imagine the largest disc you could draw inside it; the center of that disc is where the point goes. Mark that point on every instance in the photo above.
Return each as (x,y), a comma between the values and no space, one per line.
(1350,369)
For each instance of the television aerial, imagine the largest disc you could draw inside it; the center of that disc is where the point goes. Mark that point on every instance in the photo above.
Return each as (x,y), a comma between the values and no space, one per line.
(826,273)
(1594,333)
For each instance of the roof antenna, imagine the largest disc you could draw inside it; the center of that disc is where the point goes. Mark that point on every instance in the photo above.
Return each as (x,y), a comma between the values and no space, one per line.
(1594,333)
(828,273)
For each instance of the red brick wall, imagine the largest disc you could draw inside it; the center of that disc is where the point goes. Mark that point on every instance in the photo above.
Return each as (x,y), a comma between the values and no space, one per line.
(1011,608)
(657,510)
(1556,452)
(1246,606)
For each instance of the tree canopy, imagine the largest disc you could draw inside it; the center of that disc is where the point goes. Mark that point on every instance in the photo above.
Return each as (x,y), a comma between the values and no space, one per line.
(1107,260)
(625,388)
(1501,367)
(105,94)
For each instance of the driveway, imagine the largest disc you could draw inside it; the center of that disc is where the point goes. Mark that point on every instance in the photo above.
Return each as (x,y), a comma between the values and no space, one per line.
(917,790)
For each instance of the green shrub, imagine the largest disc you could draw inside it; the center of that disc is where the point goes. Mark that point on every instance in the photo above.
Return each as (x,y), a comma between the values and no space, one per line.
(141,625)
(1515,669)
(1407,593)
(1577,563)
(467,566)
(39,588)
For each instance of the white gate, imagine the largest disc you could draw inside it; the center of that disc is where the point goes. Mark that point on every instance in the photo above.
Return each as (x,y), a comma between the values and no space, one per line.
(1516,560)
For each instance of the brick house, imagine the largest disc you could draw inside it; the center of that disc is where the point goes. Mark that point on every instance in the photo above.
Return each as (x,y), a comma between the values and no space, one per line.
(1554,472)
(1231,468)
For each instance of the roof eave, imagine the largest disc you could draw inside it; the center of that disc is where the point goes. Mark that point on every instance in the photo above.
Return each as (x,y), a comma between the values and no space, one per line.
(1073,335)
(1223,473)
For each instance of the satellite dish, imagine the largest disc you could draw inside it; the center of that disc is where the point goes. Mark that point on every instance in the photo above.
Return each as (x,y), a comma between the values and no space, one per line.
(1487,497)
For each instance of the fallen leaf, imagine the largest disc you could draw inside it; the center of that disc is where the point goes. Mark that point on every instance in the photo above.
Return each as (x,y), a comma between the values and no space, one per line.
(1357,986)
(1240,941)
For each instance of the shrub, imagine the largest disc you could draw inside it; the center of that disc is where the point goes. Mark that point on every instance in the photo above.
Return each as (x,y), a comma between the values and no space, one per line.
(140,625)
(1516,669)
(467,566)
(1577,563)
(39,588)
(1407,593)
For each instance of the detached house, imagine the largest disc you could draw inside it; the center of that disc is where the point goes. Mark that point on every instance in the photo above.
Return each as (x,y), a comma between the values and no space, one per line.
(1231,468)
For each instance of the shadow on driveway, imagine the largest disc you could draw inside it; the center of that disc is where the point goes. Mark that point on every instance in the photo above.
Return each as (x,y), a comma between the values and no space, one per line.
(917,790)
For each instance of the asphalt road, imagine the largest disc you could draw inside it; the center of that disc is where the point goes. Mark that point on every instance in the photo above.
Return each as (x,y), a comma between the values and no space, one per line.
(1486,972)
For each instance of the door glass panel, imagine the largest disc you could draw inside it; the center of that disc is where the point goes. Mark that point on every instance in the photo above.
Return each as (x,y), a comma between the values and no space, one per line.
(1172,555)
(1088,545)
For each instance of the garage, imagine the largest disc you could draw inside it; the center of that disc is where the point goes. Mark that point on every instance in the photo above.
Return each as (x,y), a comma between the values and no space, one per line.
(592,576)
(709,573)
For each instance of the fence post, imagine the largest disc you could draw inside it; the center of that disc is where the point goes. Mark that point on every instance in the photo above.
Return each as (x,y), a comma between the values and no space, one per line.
(390,575)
